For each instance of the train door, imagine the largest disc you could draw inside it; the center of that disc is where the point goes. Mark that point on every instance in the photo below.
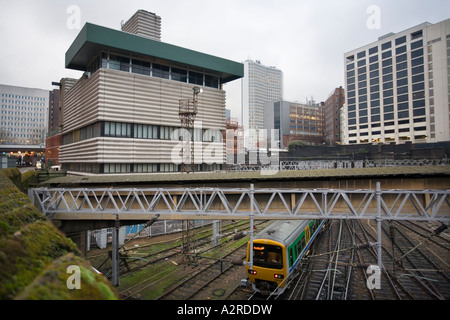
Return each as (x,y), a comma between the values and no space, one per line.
(307,234)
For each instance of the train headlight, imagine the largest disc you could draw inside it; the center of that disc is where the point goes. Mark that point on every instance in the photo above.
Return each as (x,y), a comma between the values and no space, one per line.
(253,272)
(278,276)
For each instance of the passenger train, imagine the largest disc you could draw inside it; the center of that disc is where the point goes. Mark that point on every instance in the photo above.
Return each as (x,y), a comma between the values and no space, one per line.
(276,252)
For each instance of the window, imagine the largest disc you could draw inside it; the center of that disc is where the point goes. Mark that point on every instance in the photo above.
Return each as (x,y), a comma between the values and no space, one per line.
(166,132)
(388,109)
(403,106)
(144,131)
(416,62)
(418,78)
(179,75)
(196,78)
(417,53)
(374,96)
(374,81)
(140,67)
(402,82)
(418,95)
(419,104)
(116,168)
(403,114)
(402,90)
(416,45)
(119,63)
(387,78)
(386,54)
(268,256)
(387,70)
(168,167)
(402,58)
(161,71)
(386,45)
(400,50)
(388,93)
(373,50)
(212,135)
(117,129)
(402,66)
(145,167)
(211,81)
(375,110)
(419,112)
(387,62)
(402,98)
(401,40)
(417,70)
(373,59)
(418,86)
(416,35)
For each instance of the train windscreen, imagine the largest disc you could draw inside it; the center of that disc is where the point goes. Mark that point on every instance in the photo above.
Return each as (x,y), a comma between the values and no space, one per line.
(267,256)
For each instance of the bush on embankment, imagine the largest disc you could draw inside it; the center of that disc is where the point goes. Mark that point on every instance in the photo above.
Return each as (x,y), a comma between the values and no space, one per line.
(35,255)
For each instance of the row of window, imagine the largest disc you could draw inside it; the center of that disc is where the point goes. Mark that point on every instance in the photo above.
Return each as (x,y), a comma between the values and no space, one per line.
(422,137)
(140,131)
(15,96)
(388,45)
(15,103)
(134,167)
(389,131)
(127,64)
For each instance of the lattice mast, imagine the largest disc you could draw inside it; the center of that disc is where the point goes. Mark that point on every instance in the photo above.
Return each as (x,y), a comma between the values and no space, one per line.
(187,114)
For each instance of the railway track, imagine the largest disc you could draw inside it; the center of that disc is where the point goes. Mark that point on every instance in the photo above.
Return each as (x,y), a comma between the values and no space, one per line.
(213,264)
(336,269)
(415,258)
(196,286)
(130,261)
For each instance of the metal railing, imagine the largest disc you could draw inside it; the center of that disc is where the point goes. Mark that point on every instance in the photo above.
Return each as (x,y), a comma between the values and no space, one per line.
(339,164)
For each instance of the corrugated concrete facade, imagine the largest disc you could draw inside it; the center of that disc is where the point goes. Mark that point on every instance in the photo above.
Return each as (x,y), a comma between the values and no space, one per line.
(110,95)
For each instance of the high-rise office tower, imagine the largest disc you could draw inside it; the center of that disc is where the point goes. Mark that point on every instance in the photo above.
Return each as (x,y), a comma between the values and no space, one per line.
(260,84)
(23,118)
(397,88)
(144,24)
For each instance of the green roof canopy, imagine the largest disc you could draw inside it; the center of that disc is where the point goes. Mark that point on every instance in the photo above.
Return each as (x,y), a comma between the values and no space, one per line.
(93,38)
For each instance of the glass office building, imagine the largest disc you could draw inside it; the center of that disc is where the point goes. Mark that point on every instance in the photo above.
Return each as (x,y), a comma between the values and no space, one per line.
(397,88)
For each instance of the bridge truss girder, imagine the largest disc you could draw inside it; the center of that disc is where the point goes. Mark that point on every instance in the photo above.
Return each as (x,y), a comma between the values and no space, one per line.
(226,203)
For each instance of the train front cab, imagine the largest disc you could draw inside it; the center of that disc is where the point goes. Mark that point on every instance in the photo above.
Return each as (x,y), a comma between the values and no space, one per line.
(269,270)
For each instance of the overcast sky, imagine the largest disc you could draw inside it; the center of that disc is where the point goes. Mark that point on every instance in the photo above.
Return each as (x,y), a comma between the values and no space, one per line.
(305,39)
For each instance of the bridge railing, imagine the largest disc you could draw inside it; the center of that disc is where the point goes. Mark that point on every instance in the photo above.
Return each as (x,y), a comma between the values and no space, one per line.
(229,203)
